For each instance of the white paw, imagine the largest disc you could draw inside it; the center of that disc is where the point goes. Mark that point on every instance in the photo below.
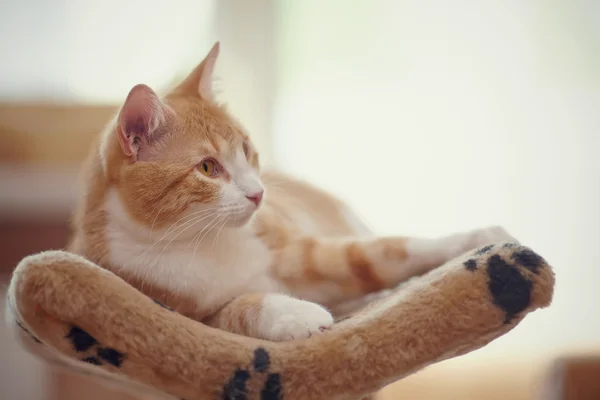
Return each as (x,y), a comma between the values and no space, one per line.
(285,318)
(490,235)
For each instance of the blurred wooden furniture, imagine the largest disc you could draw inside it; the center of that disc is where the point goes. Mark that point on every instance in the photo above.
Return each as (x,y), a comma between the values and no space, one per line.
(573,378)
(49,135)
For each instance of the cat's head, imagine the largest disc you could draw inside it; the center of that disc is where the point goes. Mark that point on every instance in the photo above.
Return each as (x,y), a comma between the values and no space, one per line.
(182,156)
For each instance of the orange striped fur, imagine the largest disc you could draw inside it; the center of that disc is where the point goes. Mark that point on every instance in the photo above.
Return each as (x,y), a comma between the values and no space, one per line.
(175,203)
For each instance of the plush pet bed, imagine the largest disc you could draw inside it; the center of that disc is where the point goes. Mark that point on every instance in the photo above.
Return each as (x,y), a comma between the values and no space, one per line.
(72,312)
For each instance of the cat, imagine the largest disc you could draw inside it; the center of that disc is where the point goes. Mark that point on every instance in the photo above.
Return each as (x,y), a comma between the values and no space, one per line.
(174,203)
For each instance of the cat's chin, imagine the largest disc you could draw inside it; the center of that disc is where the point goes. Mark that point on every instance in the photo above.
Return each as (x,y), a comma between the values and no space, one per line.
(241,220)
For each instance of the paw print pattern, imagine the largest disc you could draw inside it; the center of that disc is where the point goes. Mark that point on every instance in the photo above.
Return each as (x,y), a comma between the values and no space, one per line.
(236,389)
(83,342)
(508,283)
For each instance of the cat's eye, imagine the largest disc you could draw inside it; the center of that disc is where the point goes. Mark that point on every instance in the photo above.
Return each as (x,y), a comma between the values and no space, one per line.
(208,167)
(246,148)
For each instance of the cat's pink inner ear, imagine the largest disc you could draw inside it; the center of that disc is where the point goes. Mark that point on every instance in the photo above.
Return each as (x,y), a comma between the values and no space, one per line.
(139,118)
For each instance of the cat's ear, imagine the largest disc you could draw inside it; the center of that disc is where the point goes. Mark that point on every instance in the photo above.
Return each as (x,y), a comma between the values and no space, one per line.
(200,81)
(139,122)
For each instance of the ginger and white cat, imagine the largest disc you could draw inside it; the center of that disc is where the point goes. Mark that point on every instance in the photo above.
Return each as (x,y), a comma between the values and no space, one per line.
(174,203)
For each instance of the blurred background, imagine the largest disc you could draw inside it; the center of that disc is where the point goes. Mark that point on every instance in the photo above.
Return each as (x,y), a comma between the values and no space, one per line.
(427,117)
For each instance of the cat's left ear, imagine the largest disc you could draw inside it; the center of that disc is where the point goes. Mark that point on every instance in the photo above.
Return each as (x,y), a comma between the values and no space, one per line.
(200,81)
(141,122)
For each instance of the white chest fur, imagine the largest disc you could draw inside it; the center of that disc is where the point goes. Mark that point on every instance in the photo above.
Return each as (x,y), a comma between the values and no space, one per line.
(212,271)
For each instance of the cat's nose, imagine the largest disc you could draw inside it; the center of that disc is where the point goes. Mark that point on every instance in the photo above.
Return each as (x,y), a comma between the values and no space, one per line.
(256,198)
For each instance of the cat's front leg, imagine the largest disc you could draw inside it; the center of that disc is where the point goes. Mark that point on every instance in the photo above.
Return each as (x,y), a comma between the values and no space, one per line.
(333,270)
(272,316)
(436,251)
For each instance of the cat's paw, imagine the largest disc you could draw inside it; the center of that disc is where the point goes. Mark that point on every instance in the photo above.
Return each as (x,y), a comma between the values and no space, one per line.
(284,318)
(454,245)
(489,235)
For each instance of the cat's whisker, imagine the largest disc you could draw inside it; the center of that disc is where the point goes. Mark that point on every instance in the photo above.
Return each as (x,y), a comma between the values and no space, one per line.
(190,224)
(157,259)
(190,216)
(206,233)
(170,272)
(203,229)
(193,240)
(200,239)
(219,231)
(173,227)
(156,218)
(180,219)
(196,221)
